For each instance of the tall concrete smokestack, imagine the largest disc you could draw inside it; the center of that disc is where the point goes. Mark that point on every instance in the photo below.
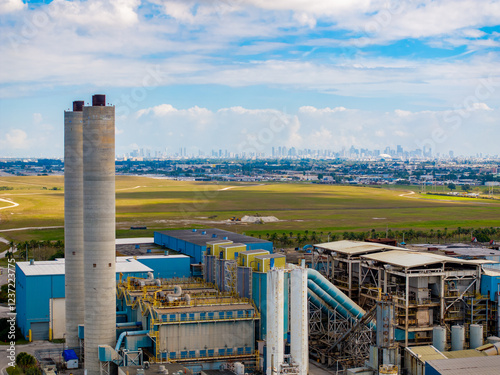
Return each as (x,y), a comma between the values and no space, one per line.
(99,229)
(73,221)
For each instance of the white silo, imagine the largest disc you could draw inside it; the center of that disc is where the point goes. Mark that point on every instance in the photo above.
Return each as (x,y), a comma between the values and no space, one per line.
(275,317)
(99,229)
(73,221)
(299,320)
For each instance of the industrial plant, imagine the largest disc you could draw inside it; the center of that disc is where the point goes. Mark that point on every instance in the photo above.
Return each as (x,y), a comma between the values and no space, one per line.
(213,302)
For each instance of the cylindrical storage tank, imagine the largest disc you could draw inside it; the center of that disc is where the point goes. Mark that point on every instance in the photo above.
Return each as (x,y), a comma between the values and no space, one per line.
(439,338)
(99,230)
(299,320)
(388,369)
(457,338)
(275,348)
(492,339)
(476,336)
(73,222)
(239,368)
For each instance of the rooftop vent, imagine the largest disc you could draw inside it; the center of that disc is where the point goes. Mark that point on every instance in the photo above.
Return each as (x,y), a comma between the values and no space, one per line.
(98,100)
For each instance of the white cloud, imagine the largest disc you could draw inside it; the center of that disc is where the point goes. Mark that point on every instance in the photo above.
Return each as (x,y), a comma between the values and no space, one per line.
(37,118)
(15,139)
(8,6)
(257,130)
(481,107)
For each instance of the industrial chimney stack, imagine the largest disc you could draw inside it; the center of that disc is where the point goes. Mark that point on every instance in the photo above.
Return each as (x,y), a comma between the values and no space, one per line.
(73,221)
(99,229)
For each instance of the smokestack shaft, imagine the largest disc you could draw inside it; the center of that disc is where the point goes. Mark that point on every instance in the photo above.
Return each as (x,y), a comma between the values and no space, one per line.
(73,224)
(99,231)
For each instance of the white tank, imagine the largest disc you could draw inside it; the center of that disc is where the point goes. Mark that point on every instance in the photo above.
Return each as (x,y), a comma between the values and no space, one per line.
(239,368)
(299,320)
(439,338)
(275,348)
(476,336)
(99,229)
(73,222)
(457,338)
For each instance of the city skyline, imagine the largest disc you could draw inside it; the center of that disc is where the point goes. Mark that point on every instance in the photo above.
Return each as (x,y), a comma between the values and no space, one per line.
(245,74)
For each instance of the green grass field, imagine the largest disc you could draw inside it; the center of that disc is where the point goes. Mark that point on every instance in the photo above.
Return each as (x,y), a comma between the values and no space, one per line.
(161,204)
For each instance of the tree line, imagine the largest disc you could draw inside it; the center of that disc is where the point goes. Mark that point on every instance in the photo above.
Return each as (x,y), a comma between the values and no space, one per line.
(460,234)
(41,250)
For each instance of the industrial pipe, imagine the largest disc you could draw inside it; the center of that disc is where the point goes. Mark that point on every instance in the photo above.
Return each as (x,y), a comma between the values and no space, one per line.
(128,333)
(128,324)
(334,297)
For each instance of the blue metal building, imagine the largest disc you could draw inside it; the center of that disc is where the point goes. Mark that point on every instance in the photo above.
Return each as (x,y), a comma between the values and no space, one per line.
(193,242)
(40,289)
(167,267)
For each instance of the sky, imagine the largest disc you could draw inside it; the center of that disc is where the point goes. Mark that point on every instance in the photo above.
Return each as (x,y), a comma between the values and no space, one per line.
(247,75)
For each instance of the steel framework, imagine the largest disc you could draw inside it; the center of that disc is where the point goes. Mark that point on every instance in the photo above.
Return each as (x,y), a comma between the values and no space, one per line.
(339,341)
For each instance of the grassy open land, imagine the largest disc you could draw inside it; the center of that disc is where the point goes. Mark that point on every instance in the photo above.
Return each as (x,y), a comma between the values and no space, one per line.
(161,204)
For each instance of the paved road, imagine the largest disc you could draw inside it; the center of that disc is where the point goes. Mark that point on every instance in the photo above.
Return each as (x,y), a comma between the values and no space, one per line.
(317,369)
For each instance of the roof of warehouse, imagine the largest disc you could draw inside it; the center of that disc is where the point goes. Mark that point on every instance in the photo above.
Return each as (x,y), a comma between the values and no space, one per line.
(270,256)
(247,252)
(134,241)
(355,247)
(217,242)
(201,239)
(464,354)
(426,353)
(467,366)
(159,256)
(57,267)
(430,353)
(229,245)
(409,259)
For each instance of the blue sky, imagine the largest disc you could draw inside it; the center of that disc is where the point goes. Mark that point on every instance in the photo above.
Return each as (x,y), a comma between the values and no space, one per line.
(221,74)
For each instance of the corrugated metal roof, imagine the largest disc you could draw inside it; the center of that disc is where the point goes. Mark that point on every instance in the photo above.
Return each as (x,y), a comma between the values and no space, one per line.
(467,366)
(269,256)
(427,353)
(464,354)
(228,246)
(201,239)
(409,259)
(254,252)
(159,256)
(218,242)
(56,267)
(354,247)
(133,241)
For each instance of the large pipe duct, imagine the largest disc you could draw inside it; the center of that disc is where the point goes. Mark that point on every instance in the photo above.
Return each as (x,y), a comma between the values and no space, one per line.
(275,348)
(299,320)
(335,293)
(99,229)
(128,333)
(73,221)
